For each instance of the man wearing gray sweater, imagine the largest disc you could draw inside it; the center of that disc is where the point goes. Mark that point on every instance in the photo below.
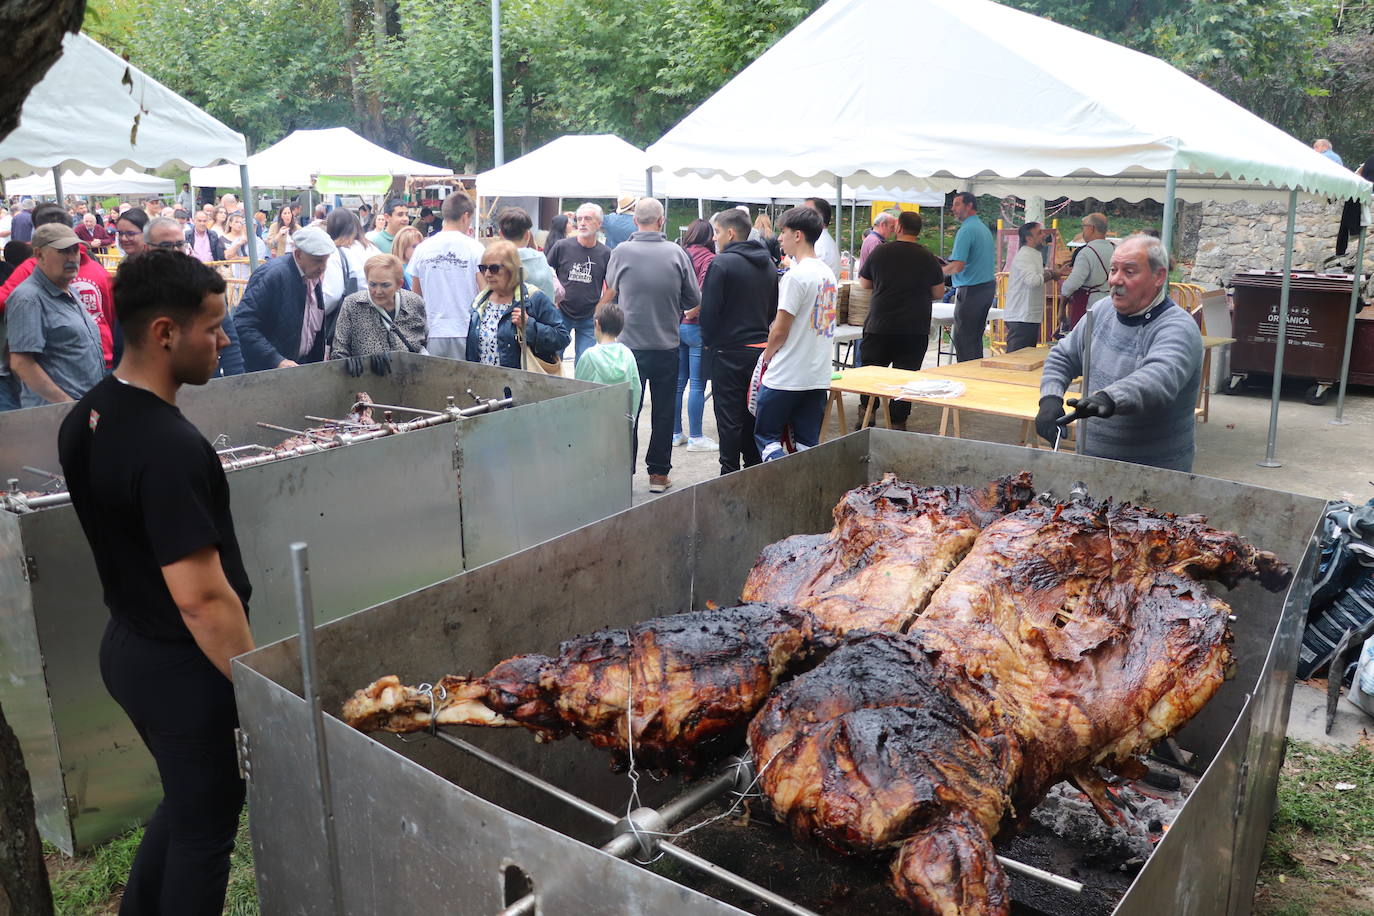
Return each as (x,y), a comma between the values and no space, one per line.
(1146,366)
(654,281)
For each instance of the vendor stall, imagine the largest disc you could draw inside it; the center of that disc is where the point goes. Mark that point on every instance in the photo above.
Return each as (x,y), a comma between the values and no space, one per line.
(95,182)
(1150,132)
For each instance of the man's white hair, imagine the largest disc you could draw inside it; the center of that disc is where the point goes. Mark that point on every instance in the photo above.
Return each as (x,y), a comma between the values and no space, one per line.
(594,209)
(1155,254)
(648,212)
(883,218)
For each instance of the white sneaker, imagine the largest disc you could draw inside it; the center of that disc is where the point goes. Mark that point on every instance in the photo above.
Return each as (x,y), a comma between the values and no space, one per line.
(679,439)
(702,444)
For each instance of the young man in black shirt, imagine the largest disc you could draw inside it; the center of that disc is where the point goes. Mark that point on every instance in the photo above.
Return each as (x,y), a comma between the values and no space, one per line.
(154,504)
(905,278)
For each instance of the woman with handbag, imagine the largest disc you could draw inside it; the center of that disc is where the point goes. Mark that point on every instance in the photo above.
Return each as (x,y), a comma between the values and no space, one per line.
(512,322)
(383,317)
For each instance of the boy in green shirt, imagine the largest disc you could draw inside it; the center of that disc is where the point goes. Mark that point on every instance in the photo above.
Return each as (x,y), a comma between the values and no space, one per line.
(610,362)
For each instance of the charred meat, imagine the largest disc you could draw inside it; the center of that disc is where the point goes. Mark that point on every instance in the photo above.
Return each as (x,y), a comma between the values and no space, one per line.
(891,547)
(1069,637)
(690,683)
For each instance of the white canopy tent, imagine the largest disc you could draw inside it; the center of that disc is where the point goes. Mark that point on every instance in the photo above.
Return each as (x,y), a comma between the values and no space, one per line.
(1091,119)
(94,182)
(94,110)
(604,165)
(304,156)
(1043,110)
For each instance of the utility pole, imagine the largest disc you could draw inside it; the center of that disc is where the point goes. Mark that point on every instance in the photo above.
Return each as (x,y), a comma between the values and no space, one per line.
(497,103)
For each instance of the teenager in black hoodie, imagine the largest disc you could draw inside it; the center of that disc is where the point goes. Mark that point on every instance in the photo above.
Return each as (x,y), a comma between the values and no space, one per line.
(738,300)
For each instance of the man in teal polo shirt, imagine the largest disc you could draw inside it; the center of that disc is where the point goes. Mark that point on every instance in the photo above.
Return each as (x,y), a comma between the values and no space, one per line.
(971,264)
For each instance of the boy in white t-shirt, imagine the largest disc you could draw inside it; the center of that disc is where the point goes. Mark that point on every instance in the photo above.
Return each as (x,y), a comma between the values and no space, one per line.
(796,377)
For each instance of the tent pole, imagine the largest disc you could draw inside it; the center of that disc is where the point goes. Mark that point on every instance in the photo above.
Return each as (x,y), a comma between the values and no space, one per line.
(1166,232)
(701,208)
(497,103)
(839,208)
(649,188)
(250,225)
(57,185)
(942,229)
(1269,461)
(1350,328)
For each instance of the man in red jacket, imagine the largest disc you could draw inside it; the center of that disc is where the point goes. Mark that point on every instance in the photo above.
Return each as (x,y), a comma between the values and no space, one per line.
(91,286)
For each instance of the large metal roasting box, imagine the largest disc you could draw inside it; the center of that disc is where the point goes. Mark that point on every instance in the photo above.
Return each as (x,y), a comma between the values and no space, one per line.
(423,827)
(382,518)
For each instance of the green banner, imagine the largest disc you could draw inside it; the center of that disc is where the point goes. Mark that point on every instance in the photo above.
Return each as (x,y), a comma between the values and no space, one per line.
(353,184)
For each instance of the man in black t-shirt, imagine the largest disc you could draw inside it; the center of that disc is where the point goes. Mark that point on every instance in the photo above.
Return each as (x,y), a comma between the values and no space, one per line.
(580,265)
(905,278)
(154,504)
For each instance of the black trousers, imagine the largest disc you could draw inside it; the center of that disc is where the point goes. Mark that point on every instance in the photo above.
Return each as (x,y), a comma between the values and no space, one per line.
(971,307)
(1022,334)
(183,709)
(1349,227)
(658,373)
(731,370)
(900,351)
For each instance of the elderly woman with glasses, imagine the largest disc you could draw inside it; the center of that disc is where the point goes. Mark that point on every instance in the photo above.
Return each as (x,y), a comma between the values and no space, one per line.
(508,309)
(379,319)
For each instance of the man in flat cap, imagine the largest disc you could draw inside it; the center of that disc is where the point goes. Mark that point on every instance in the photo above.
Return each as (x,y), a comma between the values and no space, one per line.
(54,342)
(281,318)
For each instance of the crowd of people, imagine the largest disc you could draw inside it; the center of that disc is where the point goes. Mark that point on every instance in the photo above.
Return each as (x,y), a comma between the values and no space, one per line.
(706,310)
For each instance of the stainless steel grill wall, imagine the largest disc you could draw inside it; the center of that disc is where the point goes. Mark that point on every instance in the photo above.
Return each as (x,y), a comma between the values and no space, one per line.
(421,824)
(382,518)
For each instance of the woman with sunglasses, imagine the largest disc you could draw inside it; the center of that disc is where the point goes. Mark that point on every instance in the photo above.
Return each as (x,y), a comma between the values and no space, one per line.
(507,306)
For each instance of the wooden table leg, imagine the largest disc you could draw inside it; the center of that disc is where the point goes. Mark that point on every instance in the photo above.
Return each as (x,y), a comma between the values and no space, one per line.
(839,403)
(944,420)
(1027,439)
(868,413)
(958,433)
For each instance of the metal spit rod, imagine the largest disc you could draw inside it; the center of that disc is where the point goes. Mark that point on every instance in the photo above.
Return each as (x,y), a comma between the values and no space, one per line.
(305,613)
(627,842)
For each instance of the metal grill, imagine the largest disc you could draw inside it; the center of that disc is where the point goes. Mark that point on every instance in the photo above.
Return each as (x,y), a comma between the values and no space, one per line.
(424,822)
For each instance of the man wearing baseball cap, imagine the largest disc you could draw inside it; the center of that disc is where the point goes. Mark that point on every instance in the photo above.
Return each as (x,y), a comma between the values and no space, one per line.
(54,342)
(281,318)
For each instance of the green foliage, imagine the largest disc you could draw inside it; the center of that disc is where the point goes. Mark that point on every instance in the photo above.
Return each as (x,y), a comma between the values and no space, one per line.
(265,68)
(85,884)
(423,80)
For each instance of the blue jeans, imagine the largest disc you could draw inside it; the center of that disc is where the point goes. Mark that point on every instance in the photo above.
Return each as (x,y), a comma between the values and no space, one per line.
(776,409)
(689,370)
(586,335)
(9,392)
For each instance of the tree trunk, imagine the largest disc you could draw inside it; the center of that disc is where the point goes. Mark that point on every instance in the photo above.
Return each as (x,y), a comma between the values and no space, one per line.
(350,35)
(23,878)
(35,28)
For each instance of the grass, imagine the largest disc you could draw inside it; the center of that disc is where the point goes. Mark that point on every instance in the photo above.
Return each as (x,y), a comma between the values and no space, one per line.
(92,883)
(1320,855)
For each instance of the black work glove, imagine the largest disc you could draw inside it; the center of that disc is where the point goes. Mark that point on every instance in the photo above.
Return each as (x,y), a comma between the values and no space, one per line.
(1051,409)
(353,365)
(381,363)
(1097,404)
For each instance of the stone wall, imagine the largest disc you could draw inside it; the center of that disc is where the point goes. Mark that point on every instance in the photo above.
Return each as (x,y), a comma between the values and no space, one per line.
(1246,236)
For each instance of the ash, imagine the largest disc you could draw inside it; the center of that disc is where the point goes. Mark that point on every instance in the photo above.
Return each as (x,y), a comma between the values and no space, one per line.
(1147,811)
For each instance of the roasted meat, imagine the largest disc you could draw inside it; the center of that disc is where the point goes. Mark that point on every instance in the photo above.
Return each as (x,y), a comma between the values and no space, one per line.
(1070,636)
(691,683)
(892,545)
